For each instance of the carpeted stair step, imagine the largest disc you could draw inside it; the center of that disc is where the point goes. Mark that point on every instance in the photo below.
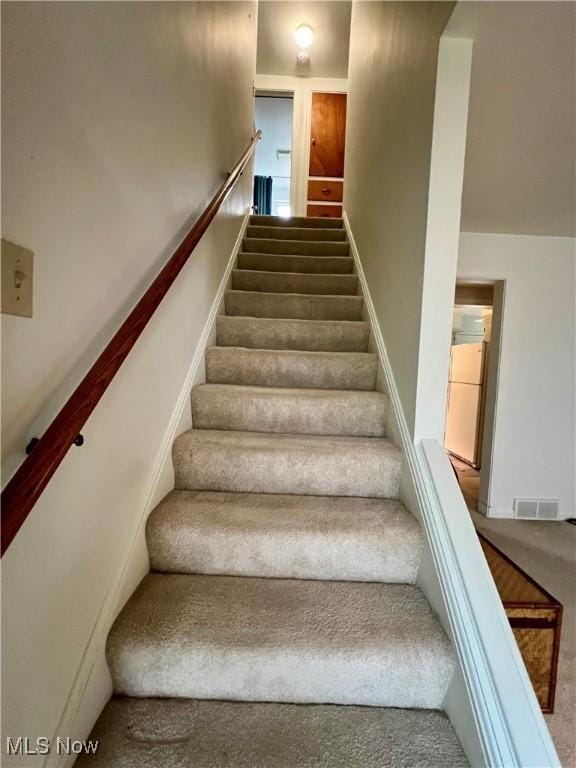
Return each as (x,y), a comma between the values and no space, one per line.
(293,305)
(273,262)
(298,247)
(291,368)
(309,465)
(179,733)
(290,537)
(296,411)
(310,222)
(294,282)
(224,637)
(274,333)
(296,233)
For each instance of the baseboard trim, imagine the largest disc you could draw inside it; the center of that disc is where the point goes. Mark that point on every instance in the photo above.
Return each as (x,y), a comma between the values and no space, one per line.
(510,726)
(110,605)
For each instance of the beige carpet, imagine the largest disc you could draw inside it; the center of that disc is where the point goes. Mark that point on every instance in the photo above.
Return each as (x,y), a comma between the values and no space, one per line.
(284,640)
(155,733)
(284,564)
(276,536)
(547,552)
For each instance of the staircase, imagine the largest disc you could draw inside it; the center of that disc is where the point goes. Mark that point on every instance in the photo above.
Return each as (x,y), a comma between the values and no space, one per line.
(283,567)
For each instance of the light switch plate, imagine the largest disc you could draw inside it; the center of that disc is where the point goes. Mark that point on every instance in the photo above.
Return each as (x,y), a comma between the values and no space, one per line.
(17,274)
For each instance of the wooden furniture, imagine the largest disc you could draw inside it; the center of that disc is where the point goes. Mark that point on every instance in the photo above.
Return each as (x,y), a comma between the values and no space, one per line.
(535,617)
(33,475)
(327,145)
(326,190)
(324,211)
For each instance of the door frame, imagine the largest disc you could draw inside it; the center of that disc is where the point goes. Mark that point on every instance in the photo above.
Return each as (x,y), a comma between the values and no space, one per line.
(279,94)
(301,88)
(492,380)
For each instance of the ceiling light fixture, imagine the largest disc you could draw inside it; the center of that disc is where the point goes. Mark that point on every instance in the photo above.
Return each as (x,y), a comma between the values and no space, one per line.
(304,36)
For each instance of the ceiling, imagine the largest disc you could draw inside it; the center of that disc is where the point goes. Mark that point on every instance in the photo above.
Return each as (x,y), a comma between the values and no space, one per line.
(520,165)
(277,48)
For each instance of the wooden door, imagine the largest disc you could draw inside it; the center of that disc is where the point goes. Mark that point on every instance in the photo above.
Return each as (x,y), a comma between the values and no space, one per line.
(327,136)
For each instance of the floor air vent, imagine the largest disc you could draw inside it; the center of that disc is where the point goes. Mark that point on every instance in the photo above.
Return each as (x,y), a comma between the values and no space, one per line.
(536,509)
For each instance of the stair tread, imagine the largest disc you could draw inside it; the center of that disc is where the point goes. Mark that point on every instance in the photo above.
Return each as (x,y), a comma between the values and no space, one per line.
(276,535)
(317,465)
(289,262)
(280,640)
(293,305)
(297,221)
(295,333)
(307,275)
(340,398)
(322,296)
(328,355)
(307,443)
(329,234)
(339,244)
(288,409)
(309,369)
(299,321)
(277,241)
(315,283)
(296,256)
(306,247)
(135,733)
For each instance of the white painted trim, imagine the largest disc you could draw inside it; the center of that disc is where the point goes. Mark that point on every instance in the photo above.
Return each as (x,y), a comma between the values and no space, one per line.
(292,83)
(109,607)
(302,88)
(511,727)
(442,235)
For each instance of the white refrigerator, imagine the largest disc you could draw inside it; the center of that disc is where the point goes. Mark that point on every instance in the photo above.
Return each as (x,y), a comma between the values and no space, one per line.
(465,412)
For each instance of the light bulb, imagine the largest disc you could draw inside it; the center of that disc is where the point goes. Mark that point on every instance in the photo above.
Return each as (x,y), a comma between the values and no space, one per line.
(304,36)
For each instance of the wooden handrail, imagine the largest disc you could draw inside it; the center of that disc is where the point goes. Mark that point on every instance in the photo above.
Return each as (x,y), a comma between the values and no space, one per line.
(24,489)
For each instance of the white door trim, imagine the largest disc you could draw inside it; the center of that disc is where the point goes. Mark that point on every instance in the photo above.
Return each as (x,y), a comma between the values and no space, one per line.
(302,88)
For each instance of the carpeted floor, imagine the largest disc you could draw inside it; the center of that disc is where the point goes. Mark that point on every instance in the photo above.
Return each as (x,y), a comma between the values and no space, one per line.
(547,551)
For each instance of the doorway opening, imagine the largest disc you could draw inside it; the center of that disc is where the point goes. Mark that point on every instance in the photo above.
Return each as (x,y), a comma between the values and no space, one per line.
(274,114)
(472,386)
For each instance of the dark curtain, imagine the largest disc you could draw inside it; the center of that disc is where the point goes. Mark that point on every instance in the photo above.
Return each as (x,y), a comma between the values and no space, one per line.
(263,195)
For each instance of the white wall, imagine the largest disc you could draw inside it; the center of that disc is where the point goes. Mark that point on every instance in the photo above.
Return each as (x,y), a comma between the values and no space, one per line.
(534,435)
(120,121)
(274,119)
(442,235)
(521,154)
(392,76)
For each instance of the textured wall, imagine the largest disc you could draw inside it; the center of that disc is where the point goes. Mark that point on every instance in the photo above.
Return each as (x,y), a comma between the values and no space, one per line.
(119,122)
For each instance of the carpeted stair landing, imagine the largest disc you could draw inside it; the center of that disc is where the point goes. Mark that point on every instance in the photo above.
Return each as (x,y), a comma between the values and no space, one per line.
(281,625)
